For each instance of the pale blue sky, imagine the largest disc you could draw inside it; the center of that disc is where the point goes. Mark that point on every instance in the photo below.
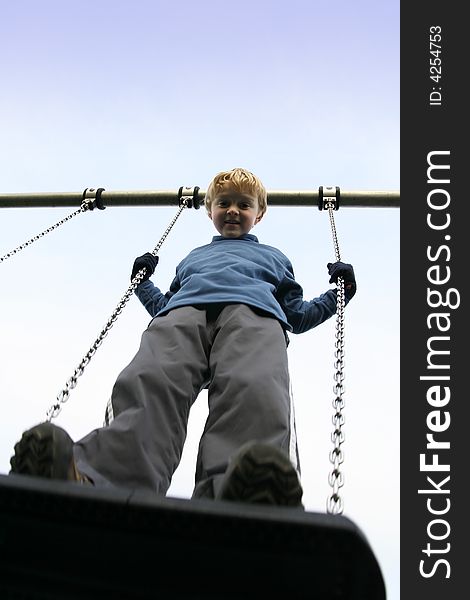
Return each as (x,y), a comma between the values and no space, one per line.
(154,95)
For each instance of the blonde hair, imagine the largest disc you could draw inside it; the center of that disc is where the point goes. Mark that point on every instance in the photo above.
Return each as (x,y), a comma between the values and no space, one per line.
(241,179)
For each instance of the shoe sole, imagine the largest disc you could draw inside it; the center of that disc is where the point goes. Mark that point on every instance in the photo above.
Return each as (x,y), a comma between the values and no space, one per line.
(44,451)
(262,474)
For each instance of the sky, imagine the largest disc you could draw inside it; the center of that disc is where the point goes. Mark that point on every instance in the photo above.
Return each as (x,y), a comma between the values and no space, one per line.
(153,95)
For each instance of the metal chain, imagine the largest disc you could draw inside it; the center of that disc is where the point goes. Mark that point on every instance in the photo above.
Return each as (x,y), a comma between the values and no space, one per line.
(85,206)
(63,395)
(335,503)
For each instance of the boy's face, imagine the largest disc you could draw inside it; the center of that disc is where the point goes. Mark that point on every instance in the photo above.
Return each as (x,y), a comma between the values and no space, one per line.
(233,212)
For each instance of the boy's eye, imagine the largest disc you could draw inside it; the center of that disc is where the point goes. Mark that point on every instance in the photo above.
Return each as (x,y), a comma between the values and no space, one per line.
(242,205)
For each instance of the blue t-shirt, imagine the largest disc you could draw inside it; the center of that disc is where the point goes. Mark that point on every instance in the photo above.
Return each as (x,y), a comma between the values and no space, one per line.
(240,271)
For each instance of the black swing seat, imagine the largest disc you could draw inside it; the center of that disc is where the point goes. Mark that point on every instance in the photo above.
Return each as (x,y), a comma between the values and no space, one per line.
(61,541)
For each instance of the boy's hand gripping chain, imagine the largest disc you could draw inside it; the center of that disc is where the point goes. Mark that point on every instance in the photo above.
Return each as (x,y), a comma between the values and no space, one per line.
(329,200)
(91,199)
(188,197)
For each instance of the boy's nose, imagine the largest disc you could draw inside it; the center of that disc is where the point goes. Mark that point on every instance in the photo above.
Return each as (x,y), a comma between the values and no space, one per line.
(233,210)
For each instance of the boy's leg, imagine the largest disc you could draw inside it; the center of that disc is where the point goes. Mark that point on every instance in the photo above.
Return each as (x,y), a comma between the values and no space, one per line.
(151,399)
(249,393)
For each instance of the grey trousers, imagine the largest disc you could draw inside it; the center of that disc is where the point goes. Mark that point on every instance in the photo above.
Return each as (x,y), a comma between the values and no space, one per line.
(239,355)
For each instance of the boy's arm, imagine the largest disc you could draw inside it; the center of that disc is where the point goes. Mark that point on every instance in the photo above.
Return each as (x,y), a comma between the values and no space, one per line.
(150,295)
(304,315)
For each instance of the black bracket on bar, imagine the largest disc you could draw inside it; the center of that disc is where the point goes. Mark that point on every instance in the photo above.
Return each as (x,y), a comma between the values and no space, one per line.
(92,198)
(190,195)
(328,197)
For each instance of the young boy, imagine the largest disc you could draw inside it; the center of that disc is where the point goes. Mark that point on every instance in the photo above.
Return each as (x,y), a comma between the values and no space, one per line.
(222,326)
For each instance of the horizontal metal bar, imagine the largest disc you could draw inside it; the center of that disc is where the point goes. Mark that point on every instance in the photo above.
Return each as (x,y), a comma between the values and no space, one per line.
(366,199)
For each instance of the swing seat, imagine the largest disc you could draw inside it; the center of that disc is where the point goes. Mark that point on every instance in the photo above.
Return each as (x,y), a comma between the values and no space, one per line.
(63,541)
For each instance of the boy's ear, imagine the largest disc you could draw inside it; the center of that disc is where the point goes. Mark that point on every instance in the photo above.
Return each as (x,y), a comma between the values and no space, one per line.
(258,218)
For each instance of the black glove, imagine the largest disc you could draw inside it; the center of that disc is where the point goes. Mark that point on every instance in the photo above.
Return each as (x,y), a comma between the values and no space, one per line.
(346,271)
(147,260)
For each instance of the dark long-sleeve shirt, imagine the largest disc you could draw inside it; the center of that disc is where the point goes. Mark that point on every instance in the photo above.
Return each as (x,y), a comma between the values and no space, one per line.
(243,271)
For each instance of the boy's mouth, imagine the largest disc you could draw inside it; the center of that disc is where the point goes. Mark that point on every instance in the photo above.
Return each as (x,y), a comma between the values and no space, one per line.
(231,222)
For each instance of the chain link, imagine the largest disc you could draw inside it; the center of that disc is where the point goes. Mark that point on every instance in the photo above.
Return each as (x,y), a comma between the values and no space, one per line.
(63,395)
(84,207)
(335,503)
